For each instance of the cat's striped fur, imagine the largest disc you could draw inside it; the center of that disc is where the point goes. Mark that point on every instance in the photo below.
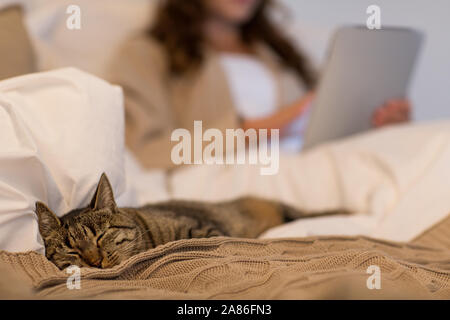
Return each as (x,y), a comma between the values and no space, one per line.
(103,235)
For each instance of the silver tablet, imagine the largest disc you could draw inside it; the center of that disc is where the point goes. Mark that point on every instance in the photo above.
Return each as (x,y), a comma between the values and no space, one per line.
(365,68)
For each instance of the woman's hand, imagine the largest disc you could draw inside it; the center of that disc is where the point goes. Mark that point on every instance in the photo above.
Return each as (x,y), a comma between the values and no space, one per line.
(392,112)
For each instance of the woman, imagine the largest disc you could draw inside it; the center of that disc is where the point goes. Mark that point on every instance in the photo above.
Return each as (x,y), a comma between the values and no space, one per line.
(223,62)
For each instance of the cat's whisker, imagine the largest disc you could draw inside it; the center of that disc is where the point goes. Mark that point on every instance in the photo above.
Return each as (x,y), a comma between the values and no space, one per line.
(130,246)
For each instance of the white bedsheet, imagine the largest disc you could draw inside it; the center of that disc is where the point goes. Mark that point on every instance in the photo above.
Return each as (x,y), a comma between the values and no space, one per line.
(395,180)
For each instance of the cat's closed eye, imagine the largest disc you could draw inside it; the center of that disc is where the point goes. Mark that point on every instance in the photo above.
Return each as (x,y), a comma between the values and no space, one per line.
(100,237)
(129,227)
(73,253)
(118,243)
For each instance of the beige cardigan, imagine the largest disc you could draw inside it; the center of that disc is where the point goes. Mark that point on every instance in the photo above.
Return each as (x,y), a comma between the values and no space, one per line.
(156,102)
(16,52)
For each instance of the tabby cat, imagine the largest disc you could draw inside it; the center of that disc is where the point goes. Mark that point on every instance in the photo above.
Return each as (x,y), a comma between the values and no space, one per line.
(103,235)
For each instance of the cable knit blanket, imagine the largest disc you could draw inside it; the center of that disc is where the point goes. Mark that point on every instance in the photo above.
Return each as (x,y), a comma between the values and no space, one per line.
(229,268)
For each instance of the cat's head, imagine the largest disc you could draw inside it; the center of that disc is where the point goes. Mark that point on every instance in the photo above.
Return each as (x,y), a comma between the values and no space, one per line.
(99,235)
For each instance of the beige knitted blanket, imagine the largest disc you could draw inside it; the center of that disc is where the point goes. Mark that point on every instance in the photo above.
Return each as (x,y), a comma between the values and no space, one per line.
(229,268)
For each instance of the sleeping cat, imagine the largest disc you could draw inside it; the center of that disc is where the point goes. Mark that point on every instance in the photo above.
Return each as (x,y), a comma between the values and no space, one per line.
(103,235)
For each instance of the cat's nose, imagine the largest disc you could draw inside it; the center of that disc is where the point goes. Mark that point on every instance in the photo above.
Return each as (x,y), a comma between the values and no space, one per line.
(92,255)
(94,260)
(97,263)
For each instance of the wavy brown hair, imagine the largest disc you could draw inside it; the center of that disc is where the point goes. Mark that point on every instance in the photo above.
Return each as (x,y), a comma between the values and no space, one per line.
(179,28)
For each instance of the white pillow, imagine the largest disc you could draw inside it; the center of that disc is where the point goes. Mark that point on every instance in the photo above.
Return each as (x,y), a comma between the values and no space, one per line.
(59,131)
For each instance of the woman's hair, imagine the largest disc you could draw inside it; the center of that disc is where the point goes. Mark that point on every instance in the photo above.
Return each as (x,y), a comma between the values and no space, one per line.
(179,28)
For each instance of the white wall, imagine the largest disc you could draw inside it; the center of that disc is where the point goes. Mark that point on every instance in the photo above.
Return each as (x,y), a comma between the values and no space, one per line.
(430,89)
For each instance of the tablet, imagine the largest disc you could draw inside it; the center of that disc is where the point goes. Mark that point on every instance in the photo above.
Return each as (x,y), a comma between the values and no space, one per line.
(365,68)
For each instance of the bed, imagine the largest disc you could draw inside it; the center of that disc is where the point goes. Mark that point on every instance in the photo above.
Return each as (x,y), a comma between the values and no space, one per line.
(395,181)
(397,191)
(228,268)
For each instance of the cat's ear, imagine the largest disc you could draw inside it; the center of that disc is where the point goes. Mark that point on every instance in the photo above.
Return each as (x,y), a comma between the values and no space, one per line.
(103,196)
(47,220)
